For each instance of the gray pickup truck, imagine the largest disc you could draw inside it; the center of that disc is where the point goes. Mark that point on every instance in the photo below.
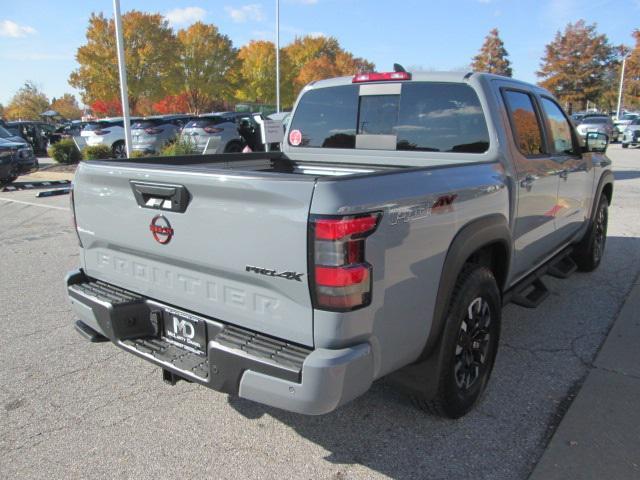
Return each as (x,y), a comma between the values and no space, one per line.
(403,212)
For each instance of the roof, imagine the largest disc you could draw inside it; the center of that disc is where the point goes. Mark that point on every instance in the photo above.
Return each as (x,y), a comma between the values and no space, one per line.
(453,77)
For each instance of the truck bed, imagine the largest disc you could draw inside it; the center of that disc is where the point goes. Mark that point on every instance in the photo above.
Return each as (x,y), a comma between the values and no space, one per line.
(259,162)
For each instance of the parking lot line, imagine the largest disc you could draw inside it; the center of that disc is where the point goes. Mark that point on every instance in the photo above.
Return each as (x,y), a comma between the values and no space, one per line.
(34,204)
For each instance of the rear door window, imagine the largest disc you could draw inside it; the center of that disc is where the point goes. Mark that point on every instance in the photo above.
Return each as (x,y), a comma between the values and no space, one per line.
(425,116)
(524,122)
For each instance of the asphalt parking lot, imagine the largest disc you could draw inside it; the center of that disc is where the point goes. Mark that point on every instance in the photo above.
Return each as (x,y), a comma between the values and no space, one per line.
(71,409)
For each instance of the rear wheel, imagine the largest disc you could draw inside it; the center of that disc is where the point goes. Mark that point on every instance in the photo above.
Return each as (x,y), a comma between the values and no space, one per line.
(233,147)
(119,150)
(469,344)
(588,254)
(625,145)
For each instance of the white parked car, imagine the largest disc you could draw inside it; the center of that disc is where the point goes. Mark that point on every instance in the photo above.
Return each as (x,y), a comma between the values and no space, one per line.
(107,131)
(223,132)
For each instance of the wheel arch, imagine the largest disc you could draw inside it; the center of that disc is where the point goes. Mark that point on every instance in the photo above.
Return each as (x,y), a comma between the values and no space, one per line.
(487,241)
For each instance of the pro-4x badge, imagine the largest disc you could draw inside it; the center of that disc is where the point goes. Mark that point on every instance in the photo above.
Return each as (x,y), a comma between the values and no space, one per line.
(274,273)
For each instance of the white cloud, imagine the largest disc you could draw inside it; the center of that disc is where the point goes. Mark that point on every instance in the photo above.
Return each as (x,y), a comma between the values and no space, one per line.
(12,29)
(185,16)
(251,12)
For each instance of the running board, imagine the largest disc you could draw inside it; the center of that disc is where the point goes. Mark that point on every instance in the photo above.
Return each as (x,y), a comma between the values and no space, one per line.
(531,291)
(563,268)
(532,295)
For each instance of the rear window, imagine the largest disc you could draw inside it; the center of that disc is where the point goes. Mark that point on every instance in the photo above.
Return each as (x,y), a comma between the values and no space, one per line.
(100,125)
(206,122)
(426,116)
(595,120)
(147,123)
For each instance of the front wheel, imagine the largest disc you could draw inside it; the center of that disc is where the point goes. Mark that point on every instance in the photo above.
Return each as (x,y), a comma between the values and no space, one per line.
(469,344)
(234,147)
(119,150)
(625,145)
(588,254)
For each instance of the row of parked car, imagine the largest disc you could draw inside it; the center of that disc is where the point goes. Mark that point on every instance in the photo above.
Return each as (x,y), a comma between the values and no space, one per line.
(219,132)
(625,129)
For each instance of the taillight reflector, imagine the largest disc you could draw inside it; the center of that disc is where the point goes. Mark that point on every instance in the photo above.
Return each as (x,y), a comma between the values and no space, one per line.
(340,275)
(380,77)
(337,229)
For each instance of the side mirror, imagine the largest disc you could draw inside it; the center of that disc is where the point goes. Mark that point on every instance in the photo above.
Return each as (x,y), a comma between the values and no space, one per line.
(596,142)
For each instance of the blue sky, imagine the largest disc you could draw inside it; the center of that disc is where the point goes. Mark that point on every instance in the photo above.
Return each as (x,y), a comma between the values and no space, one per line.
(38,38)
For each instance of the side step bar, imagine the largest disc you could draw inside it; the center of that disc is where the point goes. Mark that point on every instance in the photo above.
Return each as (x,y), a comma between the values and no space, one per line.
(531,291)
(89,333)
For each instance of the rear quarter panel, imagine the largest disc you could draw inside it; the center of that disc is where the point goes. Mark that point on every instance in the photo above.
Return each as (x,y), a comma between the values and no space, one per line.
(407,251)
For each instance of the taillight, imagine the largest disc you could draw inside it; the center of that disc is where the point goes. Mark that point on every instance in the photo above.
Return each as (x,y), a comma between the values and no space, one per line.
(153,131)
(340,276)
(213,129)
(72,203)
(380,77)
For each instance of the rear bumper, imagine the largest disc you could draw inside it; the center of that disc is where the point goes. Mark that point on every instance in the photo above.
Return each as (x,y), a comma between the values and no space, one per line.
(240,362)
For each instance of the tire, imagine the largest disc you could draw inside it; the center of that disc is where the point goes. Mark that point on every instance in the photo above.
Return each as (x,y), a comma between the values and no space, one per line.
(467,361)
(588,254)
(233,147)
(625,145)
(119,150)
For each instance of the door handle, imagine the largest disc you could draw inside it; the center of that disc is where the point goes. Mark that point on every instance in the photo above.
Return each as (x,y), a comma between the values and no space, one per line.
(564,174)
(527,182)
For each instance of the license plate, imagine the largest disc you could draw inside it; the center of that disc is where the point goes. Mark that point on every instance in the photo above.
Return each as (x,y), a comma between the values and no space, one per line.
(185,329)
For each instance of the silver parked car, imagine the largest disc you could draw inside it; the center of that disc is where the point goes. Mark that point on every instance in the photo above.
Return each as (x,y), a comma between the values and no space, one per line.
(223,132)
(151,134)
(597,123)
(631,134)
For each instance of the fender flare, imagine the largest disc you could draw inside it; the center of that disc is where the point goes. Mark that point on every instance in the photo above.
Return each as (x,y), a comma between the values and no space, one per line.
(472,237)
(605,179)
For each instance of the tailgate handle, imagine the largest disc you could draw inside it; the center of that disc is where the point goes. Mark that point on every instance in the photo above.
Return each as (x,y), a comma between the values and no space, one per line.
(161,196)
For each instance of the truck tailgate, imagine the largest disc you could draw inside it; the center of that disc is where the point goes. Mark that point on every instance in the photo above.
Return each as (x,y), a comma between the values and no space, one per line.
(225,251)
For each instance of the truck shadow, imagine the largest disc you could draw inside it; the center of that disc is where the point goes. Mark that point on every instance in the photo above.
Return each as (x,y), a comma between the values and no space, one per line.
(544,354)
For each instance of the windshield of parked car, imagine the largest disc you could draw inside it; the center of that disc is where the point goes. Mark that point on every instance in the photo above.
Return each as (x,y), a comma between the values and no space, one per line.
(422,116)
(595,120)
(628,117)
(206,122)
(4,133)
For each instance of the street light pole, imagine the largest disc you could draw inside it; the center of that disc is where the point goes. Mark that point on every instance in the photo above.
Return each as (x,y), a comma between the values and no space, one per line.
(122,69)
(624,61)
(278,56)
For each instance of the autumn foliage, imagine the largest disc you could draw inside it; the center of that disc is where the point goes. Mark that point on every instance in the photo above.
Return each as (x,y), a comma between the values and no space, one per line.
(576,63)
(172,104)
(106,108)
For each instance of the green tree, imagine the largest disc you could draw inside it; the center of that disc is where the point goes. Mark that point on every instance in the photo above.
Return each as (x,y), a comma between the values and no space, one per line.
(67,106)
(208,64)
(493,57)
(1,111)
(258,74)
(27,104)
(576,63)
(151,52)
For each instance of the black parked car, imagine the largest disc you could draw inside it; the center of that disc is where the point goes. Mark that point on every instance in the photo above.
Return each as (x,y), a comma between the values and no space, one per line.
(25,158)
(35,132)
(13,163)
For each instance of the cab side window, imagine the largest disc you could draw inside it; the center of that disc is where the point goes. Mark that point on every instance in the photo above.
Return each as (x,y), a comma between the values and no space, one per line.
(524,122)
(559,127)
